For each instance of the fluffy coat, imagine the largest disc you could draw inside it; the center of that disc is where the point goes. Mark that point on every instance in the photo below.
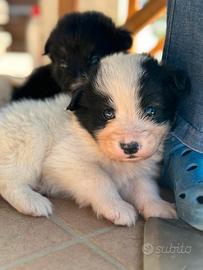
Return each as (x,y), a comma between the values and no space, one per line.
(46,149)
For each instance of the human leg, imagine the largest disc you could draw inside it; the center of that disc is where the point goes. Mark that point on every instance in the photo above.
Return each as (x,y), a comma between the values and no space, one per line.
(183,161)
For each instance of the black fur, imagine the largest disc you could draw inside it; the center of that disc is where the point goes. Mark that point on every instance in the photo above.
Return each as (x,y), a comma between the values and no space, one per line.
(161,88)
(39,83)
(77,42)
(90,110)
(88,105)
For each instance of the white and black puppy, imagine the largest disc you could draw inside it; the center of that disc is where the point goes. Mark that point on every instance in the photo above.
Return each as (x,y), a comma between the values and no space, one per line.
(104,151)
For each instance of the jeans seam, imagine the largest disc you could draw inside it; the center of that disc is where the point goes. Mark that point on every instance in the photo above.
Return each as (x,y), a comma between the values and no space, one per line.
(189,124)
(169,30)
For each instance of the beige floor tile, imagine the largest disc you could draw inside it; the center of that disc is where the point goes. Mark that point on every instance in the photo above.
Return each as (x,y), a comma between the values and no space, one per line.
(81,219)
(76,257)
(22,235)
(124,244)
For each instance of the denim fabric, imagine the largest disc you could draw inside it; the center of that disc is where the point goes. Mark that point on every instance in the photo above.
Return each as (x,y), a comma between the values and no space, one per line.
(184,50)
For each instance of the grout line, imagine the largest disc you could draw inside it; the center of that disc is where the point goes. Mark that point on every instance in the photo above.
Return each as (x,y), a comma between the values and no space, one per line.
(85,240)
(78,238)
(98,232)
(105,255)
(63,225)
(40,254)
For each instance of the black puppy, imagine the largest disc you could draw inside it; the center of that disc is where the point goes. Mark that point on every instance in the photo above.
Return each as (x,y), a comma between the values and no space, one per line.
(77,43)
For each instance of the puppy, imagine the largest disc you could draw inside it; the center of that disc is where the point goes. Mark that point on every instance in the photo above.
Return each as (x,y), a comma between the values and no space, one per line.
(77,43)
(104,151)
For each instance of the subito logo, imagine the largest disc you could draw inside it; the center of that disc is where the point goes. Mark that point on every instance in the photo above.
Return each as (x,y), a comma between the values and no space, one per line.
(147,249)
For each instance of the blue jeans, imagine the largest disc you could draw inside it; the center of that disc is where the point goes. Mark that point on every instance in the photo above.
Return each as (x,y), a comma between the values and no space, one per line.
(184,50)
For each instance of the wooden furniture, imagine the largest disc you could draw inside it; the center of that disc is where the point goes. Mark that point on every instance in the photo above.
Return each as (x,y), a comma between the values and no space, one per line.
(138,19)
(65,6)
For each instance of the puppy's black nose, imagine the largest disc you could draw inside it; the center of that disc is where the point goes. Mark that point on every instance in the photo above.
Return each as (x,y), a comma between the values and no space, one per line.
(129,148)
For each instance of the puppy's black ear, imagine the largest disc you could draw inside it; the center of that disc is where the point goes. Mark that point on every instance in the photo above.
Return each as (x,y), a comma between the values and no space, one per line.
(47,47)
(180,83)
(48,43)
(75,100)
(124,39)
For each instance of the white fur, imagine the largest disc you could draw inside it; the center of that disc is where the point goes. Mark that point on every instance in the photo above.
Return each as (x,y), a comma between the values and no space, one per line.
(45,150)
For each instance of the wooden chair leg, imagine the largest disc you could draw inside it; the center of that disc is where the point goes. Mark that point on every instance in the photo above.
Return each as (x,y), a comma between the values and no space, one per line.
(151,11)
(132,9)
(158,47)
(65,6)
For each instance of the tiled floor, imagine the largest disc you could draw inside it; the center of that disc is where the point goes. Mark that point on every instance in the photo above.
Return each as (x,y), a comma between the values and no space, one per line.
(72,239)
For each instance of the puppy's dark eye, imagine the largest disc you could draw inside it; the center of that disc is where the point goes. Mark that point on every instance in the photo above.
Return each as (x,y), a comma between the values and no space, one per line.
(150,111)
(63,64)
(94,60)
(108,114)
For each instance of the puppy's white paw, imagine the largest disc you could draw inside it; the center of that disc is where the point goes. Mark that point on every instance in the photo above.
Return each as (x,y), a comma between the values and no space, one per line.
(121,213)
(38,205)
(159,208)
(28,201)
